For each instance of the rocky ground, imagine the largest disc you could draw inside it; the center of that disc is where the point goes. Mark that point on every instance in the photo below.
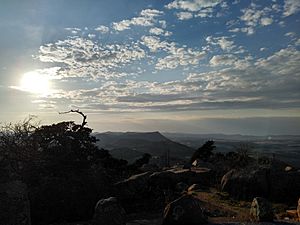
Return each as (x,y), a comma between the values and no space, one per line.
(220,208)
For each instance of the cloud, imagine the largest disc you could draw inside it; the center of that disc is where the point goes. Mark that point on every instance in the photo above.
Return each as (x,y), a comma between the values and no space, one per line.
(192,5)
(159,31)
(291,7)
(102,29)
(255,16)
(218,60)
(184,15)
(194,8)
(266,21)
(146,18)
(269,83)
(80,57)
(176,56)
(223,42)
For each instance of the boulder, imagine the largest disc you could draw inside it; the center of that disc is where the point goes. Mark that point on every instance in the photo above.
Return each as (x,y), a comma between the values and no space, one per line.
(194,187)
(185,210)
(181,186)
(298,209)
(109,212)
(269,182)
(242,184)
(261,210)
(137,194)
(14,203)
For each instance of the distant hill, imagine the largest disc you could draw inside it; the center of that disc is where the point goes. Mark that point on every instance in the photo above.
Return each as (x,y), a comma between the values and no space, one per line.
(131,145)
(283,147)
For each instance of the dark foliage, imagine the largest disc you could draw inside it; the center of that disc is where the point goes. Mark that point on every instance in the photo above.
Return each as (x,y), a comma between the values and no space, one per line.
(64,170)
(204,152)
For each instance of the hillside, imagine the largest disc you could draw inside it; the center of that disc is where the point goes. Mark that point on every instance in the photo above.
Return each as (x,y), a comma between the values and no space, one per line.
(132,144)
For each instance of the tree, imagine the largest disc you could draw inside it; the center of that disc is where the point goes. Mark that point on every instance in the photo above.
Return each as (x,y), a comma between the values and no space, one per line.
(204,152)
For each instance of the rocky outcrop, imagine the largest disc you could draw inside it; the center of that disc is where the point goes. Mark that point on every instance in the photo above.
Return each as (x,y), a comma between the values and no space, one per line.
(261,210)
(109,212)
(269,182)
(185,210)
(246,184)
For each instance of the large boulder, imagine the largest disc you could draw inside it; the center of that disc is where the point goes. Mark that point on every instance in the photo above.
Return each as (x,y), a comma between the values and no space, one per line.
(109,212)
(243,184)
(14,203)
(136,194)
(273,183)
(185,210)
(261,210)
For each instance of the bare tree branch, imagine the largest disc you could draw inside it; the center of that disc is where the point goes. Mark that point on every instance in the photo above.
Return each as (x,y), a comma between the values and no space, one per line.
(79,112)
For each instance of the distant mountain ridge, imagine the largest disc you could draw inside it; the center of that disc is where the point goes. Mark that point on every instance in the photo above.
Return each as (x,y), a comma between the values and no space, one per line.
(127,145)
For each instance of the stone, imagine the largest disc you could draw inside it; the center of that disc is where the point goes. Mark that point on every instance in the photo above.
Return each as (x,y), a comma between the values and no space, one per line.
(298,209)
(261,210)
(186,210)
(194,187)
(246,184)
(181,187)
(109,212)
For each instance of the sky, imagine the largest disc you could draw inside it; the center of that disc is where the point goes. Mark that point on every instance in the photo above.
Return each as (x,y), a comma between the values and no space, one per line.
(193,66)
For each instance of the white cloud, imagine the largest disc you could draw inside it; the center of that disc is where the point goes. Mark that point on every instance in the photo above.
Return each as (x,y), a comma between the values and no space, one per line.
(180,57)
(184,15)
(254,17)
(86,59)
(147,17)
(192,5)
(291,7)
(102,29)
(176,56)
(194,8)
(91,36)
(159,31)
(266,21)
(219,60)
(224,42)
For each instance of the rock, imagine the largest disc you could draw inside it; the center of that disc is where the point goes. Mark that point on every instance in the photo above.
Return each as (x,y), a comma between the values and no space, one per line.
(292,214)
(138,194)
(14,203)
(269,182)
(244,184)
(149,168)
(134,184)
(181,186)
(261,210)
(298,209)
(109,212)
(194,187)
(185,210)
(288,168)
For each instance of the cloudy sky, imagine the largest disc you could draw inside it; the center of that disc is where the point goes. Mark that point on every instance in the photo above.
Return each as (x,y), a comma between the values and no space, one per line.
(198,66)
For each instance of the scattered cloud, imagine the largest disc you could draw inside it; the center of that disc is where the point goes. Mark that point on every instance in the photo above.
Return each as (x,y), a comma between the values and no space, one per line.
(192,5)
(102,29)
(194,8)
(184,15)
(291,7)
(146,18)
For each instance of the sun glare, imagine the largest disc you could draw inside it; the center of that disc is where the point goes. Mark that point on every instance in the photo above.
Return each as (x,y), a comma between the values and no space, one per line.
(35,83)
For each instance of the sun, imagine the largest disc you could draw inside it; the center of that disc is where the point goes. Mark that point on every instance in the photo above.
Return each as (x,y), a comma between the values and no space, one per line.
(35,83)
